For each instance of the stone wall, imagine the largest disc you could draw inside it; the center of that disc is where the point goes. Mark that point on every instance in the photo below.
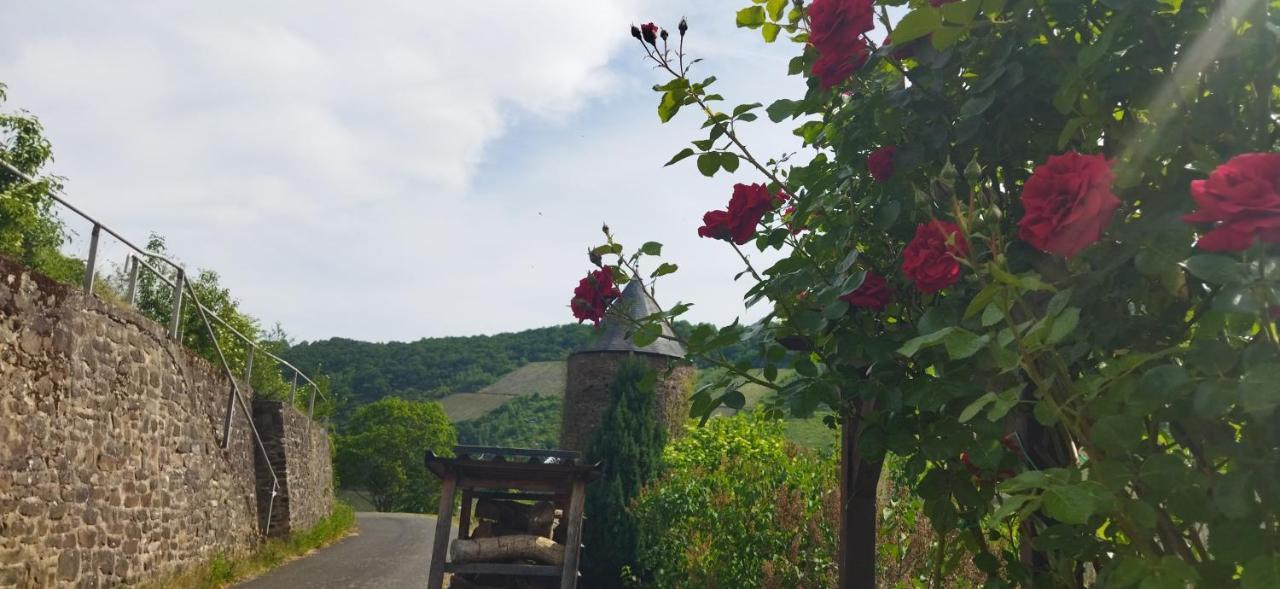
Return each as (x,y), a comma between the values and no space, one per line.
(111,467)
(298,448)
(586,395)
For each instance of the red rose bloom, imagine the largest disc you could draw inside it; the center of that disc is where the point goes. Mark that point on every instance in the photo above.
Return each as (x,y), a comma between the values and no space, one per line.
(650,32)
(1068,202)
(929,261)
(1242,199)
(880,163)
(747,206)
(592,296)
(832,68)
(873,293)
(836,28)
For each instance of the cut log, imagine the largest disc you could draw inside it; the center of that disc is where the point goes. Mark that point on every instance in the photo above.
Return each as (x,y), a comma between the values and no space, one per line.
(501,548)
(531,518)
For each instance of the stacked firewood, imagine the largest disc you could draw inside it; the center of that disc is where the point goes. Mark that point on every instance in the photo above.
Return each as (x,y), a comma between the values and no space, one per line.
(510,532)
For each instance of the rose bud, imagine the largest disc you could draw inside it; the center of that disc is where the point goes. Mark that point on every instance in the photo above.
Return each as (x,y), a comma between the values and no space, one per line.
(663,34)
(594,257)
(683,26)
(635,32)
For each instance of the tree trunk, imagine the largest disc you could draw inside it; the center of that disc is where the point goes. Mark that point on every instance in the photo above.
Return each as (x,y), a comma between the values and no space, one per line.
(502,548)
(858,506)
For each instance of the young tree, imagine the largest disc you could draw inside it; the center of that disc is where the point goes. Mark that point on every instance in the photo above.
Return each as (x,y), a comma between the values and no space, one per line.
(380,456)
(629,443)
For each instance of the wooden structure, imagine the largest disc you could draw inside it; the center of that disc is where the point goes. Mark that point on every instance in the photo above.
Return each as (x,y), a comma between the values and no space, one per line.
(481,473)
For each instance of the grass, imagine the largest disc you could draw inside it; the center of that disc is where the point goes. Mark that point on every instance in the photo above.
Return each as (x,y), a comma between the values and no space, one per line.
(226,569)
(534,378)
(465,406)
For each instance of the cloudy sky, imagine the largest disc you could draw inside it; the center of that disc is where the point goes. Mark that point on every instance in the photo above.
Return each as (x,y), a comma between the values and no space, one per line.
(390,170)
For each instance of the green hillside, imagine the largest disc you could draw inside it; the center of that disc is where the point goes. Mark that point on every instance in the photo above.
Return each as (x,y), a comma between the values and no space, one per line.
(431,368)
(536,378)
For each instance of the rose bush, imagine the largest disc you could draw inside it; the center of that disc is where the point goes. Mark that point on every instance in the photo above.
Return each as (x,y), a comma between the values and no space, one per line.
(1081,235)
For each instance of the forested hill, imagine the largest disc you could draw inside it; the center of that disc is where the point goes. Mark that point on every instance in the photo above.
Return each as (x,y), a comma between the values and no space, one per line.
(433,367)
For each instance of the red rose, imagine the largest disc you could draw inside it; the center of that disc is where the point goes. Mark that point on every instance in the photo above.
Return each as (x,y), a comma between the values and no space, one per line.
(880,163)
(874,293)
(1242,199)
(836,28)
(592,296)
(1068,202)
(832,68)
(747,206)
(650,32)
(929,261)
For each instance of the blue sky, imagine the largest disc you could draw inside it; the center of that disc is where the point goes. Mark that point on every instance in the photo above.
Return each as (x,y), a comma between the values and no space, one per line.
(397,171)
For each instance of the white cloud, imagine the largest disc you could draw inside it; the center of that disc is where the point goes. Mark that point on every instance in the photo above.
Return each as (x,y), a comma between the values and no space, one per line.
(393,170)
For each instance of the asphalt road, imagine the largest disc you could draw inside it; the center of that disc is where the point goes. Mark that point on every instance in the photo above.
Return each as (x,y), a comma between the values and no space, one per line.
(391,550)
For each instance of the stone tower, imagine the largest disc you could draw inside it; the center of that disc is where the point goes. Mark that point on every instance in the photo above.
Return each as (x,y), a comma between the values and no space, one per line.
(591,370)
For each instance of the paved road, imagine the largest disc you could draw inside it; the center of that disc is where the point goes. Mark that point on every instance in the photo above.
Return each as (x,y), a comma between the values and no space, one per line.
(391,550)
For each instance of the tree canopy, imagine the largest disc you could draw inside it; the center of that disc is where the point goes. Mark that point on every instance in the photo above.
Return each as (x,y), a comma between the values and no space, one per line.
(380,453)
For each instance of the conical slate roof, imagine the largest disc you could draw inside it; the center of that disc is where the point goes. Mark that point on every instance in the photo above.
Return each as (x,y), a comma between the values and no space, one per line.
(613,337)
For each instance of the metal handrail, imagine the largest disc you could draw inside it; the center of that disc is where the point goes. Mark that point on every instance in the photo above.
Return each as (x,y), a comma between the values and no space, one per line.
(178,285)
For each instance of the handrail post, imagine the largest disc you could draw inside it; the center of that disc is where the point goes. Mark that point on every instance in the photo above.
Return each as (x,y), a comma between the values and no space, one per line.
(226,420)
(175,320)
(92,260)
(248,368)
(134,266)
(293,390)
(311,405)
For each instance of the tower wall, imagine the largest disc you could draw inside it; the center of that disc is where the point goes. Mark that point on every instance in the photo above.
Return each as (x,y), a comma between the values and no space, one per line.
(586,395)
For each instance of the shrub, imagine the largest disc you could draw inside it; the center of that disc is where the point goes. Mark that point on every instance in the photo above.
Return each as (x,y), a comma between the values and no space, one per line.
(629,442)
(740,507)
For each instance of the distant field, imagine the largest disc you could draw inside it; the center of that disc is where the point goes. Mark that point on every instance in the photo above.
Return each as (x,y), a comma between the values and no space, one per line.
(535,378)
(464,406)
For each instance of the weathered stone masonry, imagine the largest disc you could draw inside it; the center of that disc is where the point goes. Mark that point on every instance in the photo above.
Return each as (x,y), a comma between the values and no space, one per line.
(299,452)
(111,468)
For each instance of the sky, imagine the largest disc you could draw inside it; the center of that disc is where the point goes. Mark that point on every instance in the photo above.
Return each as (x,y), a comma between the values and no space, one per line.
(393,170)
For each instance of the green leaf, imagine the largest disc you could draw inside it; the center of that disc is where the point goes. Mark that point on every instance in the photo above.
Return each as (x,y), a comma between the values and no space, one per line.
(729,161)
(960,13)
(805,367)
(992,315)
(835,310)
(734,399)
(751,17)
(916,24)
(647,334)
(743,108)
(684,153)
(1217,269)
(781,109)
(1069,504)
(1163,472)
(1233,495)
(962,343)
(651,248)
(1063,325)
(709,164)
(775,8)
(664,269)
(914,345)
(770,32)
(975,407)
(807,320)
(1026,480)
(1262,572)
(668,106)
(1260,390)
(980,300)
(1118,433)
(976,105)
